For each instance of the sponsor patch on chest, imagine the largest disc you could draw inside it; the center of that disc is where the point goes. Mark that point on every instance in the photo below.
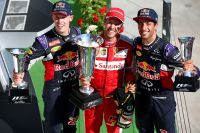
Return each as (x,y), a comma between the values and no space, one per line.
(114,65)
(115,52)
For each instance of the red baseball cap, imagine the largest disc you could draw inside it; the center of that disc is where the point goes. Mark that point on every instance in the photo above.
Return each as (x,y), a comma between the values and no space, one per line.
(117,13)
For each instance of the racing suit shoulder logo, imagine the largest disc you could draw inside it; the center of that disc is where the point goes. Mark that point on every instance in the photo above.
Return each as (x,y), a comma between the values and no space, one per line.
(138,53)
(122,53)
(43,41)
(177,56)
(29,51)
(102,52)
(54,42)
(55,49)
(139,47)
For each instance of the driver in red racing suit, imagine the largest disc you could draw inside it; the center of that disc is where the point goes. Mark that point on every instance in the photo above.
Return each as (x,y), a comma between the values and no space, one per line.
(113,65)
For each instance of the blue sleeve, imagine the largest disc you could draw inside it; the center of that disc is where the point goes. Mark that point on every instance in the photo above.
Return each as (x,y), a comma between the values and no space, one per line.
(172,55)
(35,52)
(198,71)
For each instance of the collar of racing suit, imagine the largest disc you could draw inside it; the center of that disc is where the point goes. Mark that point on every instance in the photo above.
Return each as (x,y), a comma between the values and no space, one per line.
(150,46)
(108,43)
(65,38)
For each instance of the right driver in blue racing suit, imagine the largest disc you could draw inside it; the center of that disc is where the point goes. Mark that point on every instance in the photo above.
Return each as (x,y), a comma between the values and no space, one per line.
(155,59)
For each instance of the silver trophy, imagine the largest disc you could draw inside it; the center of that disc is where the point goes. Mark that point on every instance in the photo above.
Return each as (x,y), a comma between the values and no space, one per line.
(88,45)
(186,80)
(19,92)
(86,97)
(186,44)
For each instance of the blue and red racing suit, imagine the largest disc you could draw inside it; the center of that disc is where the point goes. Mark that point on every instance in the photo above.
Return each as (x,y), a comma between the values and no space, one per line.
(60,57)
(155,103)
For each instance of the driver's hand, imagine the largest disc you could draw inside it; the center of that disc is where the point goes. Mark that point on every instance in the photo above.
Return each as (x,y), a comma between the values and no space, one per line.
(130,87)
(18,77)
(189,66)
(84,82)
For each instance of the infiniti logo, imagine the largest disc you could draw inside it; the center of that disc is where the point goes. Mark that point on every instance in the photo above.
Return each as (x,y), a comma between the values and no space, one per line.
(68,74)
(146,83)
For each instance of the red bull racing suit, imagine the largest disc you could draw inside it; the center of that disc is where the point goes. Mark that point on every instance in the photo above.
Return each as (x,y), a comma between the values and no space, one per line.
(113,60)
(60,59)
(155,103)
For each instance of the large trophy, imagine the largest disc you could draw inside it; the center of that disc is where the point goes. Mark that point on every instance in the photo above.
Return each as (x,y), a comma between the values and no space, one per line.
(86,97)
(186,80)
(19,92)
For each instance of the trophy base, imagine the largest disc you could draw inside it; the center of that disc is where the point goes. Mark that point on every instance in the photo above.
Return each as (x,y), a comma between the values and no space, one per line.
(186,84)
(84,101)
(19,96)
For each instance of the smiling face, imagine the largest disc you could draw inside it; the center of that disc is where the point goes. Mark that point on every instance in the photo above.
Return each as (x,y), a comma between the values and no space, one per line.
(112,28)
(147,30)
(62,23)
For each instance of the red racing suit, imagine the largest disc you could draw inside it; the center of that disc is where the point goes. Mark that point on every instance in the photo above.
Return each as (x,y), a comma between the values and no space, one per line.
(113,66)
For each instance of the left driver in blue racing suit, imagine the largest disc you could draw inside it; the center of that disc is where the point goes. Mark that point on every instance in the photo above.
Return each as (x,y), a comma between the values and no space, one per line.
(60,57)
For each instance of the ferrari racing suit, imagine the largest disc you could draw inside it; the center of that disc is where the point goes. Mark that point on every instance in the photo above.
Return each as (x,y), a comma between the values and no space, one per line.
(113,65)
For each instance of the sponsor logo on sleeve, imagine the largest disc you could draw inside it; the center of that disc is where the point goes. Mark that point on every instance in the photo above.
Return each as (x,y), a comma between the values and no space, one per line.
(55,49)
(54,42)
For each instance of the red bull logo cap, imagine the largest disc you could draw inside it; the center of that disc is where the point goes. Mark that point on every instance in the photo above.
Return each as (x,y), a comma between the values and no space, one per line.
(146,14)
(62,7)
(117,13)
